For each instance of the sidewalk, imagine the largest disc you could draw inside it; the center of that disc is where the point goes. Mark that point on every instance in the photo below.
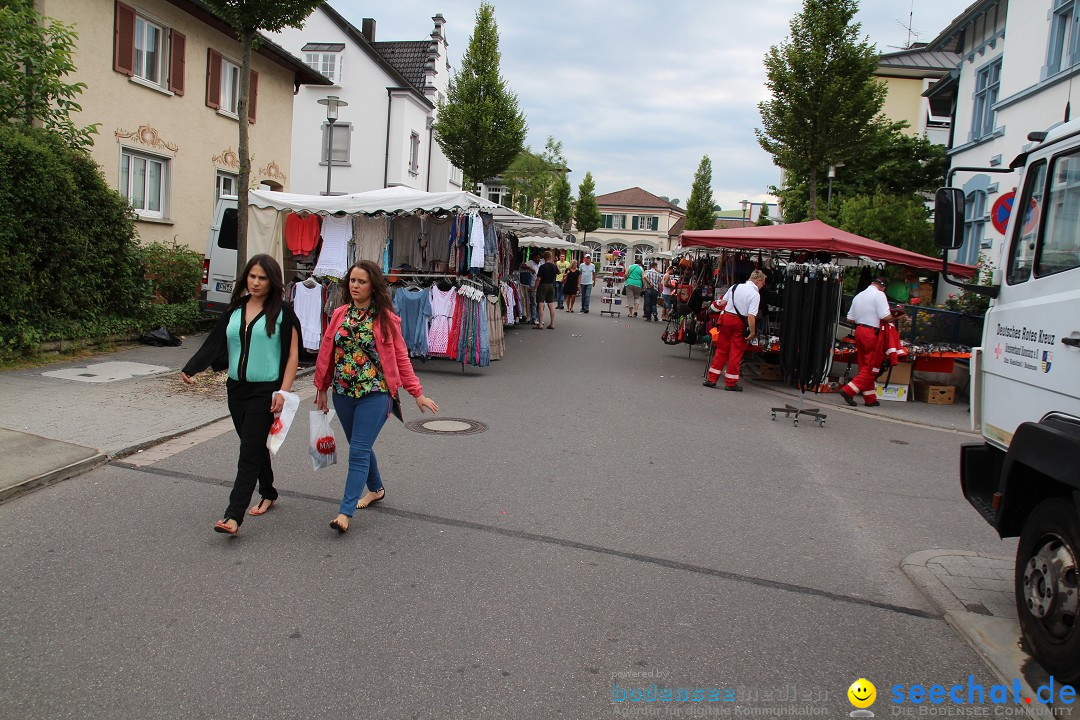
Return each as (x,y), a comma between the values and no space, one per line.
(68,417)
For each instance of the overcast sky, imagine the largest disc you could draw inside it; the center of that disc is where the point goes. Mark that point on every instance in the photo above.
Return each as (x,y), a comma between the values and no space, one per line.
(639,90)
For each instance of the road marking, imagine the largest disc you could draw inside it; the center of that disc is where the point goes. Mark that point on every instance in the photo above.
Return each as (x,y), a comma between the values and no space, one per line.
(106,372)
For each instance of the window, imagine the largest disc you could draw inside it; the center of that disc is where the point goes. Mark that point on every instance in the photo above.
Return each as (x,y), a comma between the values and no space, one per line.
(1026,231)
(414,154)
(223,86)
(147,51)
(987,83)
(148,37)
(643,252)
(646,222)
(342,142)
(1059,248)
(327,63)
(974,228)
(614,222)
(1062,47)
(230,86)
(455,175)
(593,250)
(142,182)
(617,247)
(226,184)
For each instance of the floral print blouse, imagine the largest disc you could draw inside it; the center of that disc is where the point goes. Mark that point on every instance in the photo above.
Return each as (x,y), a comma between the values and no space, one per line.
(357,371)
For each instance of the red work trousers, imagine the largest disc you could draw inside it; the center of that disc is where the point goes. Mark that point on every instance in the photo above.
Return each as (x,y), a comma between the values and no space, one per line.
(730,346)
(869,358)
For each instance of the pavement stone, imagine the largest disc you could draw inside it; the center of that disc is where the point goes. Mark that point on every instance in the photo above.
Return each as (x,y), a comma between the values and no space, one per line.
(31,461)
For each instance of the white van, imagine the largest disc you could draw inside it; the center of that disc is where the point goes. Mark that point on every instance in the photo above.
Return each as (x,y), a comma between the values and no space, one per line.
(219,265)
(1024,477)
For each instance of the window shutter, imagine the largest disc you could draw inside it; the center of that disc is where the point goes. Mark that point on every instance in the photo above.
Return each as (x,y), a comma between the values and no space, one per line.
(177,51)
(124,40)
(253,96)
(213,79)
(635,227)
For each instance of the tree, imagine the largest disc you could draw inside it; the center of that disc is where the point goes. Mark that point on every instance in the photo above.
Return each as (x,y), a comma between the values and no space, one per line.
(35,57)
(699,208)
(824,95)
(763,216)
(564,208)
(587,212)
(901,221)
(247,18)
(533,179)
(480,128)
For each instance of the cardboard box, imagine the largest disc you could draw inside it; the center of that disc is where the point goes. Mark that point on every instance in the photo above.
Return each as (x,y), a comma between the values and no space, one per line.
(935,394)
(769,371)
(901,374)
(895,392)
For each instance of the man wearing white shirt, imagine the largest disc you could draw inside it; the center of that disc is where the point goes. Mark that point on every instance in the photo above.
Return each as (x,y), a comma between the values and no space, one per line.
(738,321)
(869,310)
(588,277)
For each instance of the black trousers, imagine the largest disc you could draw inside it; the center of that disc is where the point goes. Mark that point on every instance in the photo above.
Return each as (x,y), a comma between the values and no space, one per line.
(249,405)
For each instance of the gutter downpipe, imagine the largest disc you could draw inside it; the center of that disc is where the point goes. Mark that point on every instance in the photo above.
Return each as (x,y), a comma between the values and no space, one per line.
(386,163)
(430,136)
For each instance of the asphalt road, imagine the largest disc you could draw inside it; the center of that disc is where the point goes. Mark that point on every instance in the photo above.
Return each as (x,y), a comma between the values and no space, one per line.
(616,523)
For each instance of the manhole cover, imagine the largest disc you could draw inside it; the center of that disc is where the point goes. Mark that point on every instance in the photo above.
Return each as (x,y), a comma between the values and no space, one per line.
(446,426)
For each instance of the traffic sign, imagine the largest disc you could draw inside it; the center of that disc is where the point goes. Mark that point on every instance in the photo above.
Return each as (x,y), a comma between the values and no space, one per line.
(1002,209)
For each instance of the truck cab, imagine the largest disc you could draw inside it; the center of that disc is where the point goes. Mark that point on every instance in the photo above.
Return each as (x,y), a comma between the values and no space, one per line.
(1024,476)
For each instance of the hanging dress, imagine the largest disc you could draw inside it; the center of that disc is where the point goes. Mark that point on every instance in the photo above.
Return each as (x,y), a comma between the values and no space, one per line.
(442,313)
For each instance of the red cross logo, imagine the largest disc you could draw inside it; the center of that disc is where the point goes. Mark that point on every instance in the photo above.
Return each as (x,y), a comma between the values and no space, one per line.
(997,351)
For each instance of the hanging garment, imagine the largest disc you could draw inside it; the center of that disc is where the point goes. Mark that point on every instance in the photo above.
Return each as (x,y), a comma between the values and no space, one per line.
(370,237)
(334,258)
(442,313)
(438,237)
(406,247)
(495,326)
(476,242)
(301,234)
(308,306)
(413,306)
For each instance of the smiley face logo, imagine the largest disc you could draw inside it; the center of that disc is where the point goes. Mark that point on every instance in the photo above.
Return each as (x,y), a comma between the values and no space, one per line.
(862,693)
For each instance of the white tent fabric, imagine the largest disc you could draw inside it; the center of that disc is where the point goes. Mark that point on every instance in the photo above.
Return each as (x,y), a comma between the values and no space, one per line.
(544,241)
(386,200)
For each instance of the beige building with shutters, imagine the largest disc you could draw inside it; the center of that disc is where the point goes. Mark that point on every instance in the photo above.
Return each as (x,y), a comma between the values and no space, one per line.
(162,81)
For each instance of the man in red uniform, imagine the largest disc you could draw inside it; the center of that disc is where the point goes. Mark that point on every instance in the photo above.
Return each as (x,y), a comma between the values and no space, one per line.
(869,311)
(744,300)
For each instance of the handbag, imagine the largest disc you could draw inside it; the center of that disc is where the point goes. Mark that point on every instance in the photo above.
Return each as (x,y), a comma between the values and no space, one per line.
(395,407)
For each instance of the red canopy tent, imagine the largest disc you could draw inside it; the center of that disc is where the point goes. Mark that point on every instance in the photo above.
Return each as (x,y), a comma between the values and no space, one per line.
(815,236)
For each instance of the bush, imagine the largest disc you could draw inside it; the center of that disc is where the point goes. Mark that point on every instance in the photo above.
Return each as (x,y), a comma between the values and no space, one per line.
(67,241)
(174,273)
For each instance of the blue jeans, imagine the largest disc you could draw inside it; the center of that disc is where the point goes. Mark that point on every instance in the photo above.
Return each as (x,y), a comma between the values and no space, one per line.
(650,304)
(361,419)
(559,297)
(586,290)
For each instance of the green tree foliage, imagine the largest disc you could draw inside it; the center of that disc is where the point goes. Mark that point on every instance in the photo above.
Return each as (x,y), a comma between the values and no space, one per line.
(763,216)
(173,271)
(480,128)
(898,220)
(533,179)
(699,208)
(824,94)
(564,205)
(35,58)
(891,161)
(248,18)
(67,240)
(587,212)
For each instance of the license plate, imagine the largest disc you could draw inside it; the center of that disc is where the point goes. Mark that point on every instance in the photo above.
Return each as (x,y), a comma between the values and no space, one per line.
(224,287)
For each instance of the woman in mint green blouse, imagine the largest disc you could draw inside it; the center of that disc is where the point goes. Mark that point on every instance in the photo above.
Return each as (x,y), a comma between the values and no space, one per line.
(256,339)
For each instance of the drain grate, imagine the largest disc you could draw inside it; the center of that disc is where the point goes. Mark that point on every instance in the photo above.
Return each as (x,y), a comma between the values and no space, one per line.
(446,426)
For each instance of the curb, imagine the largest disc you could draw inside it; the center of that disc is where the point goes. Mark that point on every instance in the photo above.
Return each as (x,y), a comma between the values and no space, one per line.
(995,640)
(53,476)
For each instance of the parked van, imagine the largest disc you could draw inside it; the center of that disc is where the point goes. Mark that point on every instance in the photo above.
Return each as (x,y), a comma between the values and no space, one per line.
(1024,477)
(219,265)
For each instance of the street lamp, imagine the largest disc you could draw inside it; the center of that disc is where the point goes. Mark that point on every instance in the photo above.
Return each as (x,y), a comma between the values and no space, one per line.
(745,204)
(832,174)
(332,104)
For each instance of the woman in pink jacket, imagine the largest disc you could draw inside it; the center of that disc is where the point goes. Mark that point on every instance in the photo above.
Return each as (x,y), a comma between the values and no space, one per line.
(363,357)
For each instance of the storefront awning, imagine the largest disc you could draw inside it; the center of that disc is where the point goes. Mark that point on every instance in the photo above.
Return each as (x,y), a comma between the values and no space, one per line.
(815,236)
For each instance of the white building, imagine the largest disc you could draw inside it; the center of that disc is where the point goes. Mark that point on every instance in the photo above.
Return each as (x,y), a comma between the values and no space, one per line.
(384,136)
(999,97)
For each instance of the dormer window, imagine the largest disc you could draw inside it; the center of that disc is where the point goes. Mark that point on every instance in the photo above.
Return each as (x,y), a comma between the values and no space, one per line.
(324,58)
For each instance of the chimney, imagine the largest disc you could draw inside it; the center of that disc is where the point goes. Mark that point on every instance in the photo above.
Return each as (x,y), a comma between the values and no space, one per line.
(368,29)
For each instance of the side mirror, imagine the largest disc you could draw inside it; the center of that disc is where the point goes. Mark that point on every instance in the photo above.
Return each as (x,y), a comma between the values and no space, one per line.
(949,218)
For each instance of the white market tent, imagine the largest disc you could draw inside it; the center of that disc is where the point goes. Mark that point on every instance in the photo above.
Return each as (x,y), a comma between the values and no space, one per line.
(267,211)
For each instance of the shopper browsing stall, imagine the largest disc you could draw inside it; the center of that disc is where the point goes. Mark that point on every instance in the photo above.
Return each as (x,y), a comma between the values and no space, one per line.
(738,322)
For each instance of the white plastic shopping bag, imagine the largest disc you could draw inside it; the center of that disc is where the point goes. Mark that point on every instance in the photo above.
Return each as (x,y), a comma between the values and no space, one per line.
(282,421)
(322,446)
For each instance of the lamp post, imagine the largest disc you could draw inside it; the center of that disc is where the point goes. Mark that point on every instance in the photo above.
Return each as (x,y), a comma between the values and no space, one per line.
(745,204)
(832,174)
(332,103)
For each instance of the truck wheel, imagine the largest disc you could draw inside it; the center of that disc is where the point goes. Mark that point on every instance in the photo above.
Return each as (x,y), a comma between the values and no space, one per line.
(1047,597)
